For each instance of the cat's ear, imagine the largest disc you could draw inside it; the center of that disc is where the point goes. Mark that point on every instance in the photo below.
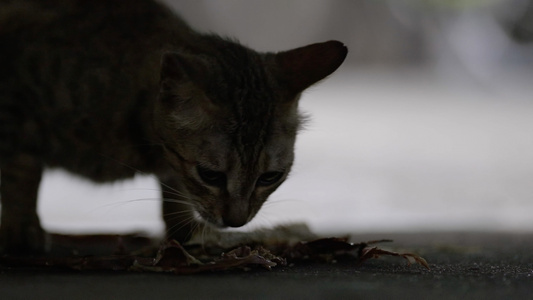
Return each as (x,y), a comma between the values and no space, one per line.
(179,67)
(302,67)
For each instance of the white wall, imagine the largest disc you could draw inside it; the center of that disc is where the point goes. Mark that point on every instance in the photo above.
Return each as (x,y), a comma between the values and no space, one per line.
(429,126)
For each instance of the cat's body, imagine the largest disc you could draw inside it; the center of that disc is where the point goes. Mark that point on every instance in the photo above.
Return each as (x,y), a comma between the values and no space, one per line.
(106,89)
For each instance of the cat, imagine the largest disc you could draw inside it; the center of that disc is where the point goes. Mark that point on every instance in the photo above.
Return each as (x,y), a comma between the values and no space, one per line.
(107,89)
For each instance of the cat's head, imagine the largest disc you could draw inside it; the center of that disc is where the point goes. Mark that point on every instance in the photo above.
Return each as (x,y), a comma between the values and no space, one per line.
(229,121)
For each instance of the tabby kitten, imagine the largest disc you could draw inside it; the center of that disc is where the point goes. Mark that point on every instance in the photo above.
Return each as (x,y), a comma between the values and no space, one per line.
(105,89)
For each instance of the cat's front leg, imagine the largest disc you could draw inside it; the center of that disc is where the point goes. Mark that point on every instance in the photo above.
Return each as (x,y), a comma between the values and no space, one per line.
(178,214)
(20,229)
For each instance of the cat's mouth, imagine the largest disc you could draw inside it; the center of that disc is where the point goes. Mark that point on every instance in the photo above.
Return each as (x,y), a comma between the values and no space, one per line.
(202,217)
(220,222)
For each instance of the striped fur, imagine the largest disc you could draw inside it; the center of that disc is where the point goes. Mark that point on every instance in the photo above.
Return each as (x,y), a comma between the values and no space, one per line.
(106,89)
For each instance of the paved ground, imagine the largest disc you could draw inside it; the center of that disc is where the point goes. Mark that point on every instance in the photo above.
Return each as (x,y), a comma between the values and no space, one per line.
(463,265)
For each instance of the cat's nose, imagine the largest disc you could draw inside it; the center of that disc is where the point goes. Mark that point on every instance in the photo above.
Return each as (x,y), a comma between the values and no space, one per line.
(236,210)
(235,215)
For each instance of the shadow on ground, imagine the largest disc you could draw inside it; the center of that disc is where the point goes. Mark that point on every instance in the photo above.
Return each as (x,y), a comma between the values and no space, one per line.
(473,265)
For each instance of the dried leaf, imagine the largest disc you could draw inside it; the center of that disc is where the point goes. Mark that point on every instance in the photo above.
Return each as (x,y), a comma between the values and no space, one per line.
(173,257)
(374,252)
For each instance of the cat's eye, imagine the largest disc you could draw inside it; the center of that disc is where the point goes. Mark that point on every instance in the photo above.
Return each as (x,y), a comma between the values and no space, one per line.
(211,177)
(269,178)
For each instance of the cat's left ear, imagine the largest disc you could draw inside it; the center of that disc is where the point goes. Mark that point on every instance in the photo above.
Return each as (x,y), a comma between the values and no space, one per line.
(302,67)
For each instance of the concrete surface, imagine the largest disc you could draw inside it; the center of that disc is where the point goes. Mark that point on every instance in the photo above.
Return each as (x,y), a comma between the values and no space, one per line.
(463,265)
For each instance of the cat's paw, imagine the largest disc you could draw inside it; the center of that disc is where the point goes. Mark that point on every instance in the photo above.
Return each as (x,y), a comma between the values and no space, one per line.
(23,240)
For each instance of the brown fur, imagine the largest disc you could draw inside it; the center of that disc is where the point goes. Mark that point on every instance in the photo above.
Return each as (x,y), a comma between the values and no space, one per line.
(106,89)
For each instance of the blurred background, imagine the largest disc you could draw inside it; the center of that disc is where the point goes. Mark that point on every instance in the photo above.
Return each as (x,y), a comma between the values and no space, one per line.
(427,126)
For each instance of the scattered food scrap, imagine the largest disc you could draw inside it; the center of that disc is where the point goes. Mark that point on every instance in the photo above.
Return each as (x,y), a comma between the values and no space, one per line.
(172,257)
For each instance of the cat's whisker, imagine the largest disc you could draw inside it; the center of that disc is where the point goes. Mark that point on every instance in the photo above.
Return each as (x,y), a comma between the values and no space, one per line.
(182,221)
(197,227)
(263,220)
(167,186)
(117,204)
(190,212)
(140,172)
(182,224)
(178,194)
(125,202)
(205,232)
(202,236)
(177,214)
(274,202)
(178,201)
(139,189)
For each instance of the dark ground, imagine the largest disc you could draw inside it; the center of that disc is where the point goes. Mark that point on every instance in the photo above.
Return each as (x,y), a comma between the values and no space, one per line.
(463,265)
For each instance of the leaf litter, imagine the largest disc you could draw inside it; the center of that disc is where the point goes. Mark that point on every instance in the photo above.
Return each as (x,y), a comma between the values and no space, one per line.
(172,257)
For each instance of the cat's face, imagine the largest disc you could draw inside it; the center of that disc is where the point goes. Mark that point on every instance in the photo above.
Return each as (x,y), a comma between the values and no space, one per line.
(228,162)
(229,126)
